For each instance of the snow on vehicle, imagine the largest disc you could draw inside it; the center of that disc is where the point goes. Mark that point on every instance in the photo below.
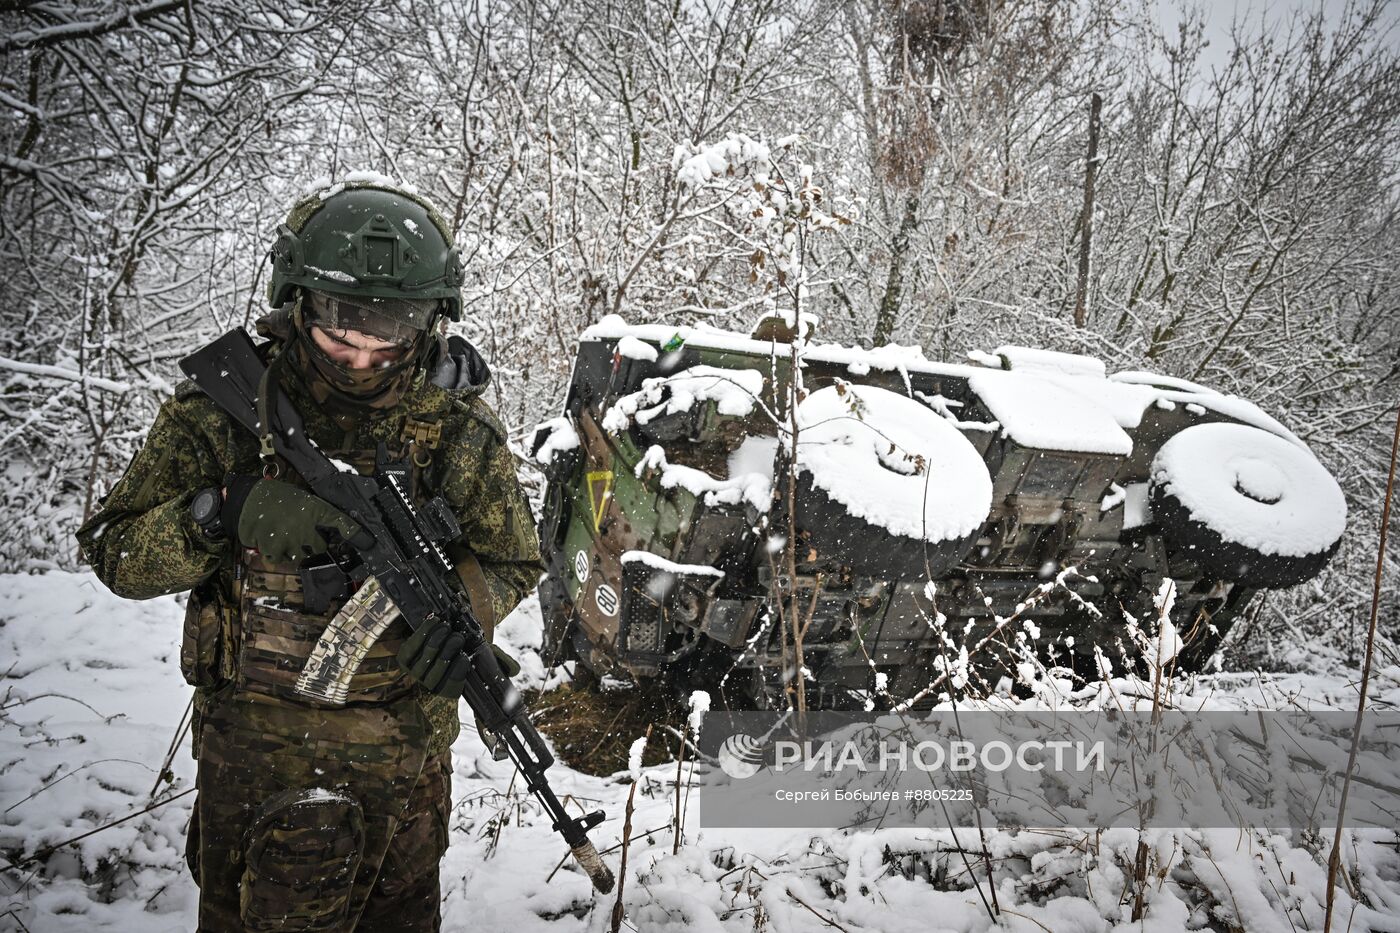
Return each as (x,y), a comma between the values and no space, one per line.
(1031,499)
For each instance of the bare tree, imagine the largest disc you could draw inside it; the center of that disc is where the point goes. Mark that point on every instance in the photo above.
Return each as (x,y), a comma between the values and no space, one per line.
(1243,219)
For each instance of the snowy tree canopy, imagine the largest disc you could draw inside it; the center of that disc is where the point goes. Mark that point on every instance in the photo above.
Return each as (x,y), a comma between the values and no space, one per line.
(599,158)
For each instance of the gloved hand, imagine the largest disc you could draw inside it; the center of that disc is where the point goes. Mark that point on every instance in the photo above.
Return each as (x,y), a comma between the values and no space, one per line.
(433,656)
(281,521)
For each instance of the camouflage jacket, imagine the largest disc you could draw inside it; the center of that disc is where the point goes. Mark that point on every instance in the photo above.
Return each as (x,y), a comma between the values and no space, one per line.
(143,541)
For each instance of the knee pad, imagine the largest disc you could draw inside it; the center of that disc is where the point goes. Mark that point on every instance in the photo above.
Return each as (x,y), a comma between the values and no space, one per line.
(301,854)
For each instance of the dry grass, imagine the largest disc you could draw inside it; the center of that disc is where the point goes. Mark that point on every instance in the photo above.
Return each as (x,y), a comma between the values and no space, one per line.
(593,729)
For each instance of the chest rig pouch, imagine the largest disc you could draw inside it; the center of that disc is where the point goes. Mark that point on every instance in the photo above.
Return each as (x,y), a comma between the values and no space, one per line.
(208,628)
(285,607)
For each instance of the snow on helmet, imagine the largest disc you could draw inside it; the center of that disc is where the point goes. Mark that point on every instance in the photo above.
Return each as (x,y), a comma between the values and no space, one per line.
(367,238)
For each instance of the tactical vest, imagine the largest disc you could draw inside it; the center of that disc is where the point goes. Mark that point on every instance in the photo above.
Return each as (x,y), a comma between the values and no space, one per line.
(275,632)
(260,635)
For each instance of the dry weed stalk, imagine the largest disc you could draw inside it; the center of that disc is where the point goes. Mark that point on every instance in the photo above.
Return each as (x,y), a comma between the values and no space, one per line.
(1334,861)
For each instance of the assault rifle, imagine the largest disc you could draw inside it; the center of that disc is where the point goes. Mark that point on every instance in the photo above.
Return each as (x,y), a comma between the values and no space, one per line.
(399,554)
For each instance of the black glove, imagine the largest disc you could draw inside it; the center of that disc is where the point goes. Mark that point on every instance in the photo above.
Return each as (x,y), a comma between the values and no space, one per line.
(433,656)
(283,522)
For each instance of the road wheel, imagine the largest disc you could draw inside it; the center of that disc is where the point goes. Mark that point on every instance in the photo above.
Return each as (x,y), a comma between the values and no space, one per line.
(885,485)
(1246,505)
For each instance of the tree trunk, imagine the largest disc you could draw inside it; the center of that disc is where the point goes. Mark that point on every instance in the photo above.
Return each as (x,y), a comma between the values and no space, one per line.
(894,285)
(1086,221)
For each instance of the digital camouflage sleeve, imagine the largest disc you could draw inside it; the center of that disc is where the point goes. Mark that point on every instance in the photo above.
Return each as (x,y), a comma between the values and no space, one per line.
(478,480)
(143,542)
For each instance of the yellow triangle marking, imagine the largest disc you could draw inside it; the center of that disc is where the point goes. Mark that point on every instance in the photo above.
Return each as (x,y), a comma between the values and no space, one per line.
(599,490)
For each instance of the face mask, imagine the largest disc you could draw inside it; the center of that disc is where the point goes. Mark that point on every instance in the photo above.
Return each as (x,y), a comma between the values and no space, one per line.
(379,387)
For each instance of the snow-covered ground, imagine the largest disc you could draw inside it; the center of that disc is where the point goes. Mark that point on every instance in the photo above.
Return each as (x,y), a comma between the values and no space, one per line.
(92,697)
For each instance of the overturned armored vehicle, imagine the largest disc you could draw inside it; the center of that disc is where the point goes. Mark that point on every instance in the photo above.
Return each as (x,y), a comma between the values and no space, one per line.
(951,525)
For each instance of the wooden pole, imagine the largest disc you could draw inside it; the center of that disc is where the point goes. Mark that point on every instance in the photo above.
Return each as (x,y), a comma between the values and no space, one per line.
(1086,219)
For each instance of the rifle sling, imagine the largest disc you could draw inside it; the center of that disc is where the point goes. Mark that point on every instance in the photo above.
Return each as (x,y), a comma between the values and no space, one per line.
(473,577)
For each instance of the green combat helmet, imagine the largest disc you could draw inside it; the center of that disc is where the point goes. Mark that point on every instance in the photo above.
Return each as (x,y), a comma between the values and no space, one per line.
(364,255)
(367,238)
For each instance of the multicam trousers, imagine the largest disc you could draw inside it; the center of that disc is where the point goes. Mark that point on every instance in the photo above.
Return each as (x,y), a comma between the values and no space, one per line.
(337,825)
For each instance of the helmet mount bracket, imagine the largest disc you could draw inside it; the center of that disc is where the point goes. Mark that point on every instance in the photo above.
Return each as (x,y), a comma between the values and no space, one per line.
(380,252)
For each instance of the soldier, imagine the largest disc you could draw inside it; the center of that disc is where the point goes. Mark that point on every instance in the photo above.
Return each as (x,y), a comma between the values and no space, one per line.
(311,816)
